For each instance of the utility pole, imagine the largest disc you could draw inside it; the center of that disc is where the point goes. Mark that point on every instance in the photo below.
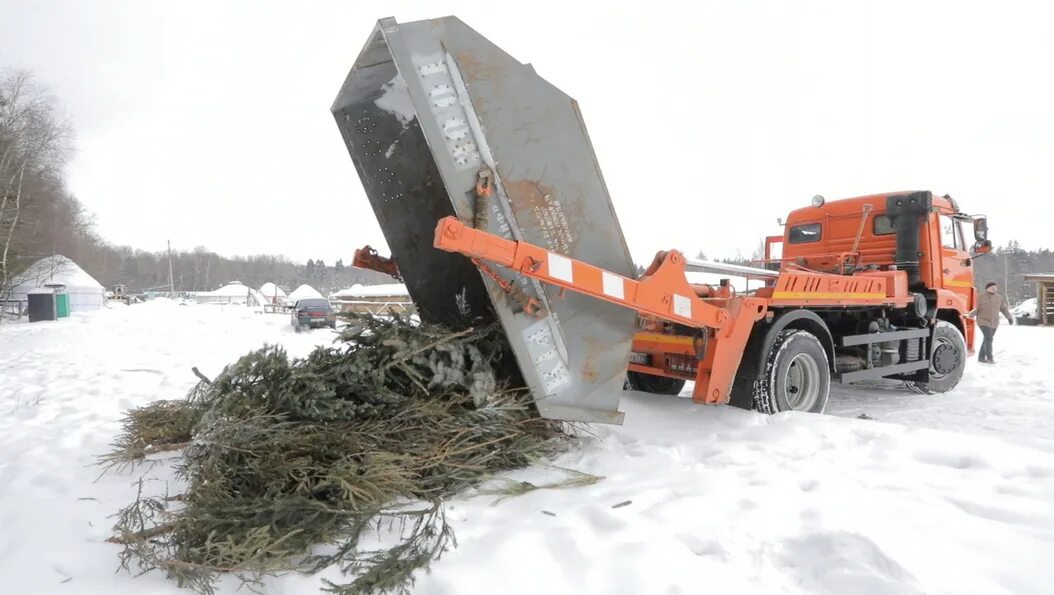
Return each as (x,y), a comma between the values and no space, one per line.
(171,286)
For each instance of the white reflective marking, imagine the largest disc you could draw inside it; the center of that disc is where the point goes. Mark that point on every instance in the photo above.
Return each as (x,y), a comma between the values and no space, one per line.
(555,378)
(613,286)
(560,268)
(682,306)
(433,68)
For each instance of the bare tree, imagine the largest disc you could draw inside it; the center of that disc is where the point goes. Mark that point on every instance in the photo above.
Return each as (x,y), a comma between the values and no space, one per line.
(34,145)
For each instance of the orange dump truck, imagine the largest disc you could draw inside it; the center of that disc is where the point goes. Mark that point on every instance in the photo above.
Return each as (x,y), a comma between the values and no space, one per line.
(487,189)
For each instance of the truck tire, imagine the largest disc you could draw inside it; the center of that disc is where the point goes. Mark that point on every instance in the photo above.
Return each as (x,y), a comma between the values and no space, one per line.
(947,363)
(659,385)
(797,375)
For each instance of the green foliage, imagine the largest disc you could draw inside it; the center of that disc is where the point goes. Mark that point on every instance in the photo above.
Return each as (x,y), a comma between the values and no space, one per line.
(290,456)
(159,426)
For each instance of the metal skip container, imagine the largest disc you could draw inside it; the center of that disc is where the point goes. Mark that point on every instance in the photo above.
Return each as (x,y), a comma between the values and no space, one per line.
(440,121)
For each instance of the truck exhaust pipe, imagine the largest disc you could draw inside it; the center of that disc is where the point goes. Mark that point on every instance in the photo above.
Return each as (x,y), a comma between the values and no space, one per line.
(907,213)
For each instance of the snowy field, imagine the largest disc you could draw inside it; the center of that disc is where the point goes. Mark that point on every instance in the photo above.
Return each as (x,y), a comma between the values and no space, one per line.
(937,494)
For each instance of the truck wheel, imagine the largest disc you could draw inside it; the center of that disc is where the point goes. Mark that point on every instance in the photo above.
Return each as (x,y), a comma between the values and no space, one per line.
(659,385)
(797,375)
(947,363)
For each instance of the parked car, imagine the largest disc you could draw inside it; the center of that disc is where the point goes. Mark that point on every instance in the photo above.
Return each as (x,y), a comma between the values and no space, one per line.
(313,312)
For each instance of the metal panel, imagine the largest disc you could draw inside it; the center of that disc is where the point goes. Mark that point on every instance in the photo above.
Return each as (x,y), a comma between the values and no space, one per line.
(695,265)
(426,108)
(882,372)
(868,338)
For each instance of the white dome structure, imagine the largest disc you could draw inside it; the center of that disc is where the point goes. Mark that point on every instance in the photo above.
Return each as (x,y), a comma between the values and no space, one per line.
(85,292)
(272,292)
(304,292)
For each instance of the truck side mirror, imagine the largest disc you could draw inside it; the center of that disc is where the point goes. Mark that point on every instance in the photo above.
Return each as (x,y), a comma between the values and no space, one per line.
(980,230)
(982,247)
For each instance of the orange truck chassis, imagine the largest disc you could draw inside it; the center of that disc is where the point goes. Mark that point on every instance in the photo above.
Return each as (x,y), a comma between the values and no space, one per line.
(871,296)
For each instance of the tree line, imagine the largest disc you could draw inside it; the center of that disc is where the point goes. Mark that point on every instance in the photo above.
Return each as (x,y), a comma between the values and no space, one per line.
(1007,265)
(40,217)
(204,270)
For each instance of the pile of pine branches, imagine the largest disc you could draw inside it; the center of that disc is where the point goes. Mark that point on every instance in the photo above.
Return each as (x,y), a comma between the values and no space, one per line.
(293,465)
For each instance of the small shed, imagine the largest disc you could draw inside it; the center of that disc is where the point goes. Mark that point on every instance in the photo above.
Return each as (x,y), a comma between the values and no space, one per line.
(373,299)
(1044,296)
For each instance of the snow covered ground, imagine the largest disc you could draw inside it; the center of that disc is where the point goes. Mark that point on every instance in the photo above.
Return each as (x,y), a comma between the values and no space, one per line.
(938,494)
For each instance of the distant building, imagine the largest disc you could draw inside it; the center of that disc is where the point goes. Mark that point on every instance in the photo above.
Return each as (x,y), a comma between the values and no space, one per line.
(1044,296)
(62,275)
(235,293)
(304,292)
(272,293)
(373,299)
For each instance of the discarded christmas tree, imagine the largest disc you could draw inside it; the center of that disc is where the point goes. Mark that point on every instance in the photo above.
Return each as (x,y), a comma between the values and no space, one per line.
(285,455)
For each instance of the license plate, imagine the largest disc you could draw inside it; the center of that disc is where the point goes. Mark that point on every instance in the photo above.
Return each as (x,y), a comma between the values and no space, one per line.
(639,358)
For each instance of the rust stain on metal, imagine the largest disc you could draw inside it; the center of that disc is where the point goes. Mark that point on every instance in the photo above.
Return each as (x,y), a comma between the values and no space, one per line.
(593,350)
(472,69)
(529,193)
(546,214)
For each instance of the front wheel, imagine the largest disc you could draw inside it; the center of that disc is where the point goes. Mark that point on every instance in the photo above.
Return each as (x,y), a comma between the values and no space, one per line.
(947,361)
(659,385)
(797,375)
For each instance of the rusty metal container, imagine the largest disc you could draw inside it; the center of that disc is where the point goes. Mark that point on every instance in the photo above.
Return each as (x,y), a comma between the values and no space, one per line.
(431,109)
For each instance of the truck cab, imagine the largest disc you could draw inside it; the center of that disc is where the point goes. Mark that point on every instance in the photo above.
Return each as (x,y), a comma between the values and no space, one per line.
(856,234)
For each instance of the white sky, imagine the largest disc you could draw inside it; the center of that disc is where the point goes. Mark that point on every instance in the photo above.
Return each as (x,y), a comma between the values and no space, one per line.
(208,123)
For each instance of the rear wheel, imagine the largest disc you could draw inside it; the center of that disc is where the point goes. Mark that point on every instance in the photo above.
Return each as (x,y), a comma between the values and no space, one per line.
(659,385)
(797,375)
(947,362)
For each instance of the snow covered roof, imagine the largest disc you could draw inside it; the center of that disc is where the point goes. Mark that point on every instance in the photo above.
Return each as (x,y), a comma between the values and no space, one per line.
(55,270)
(1039,277)
(304,292)
(386,290)
(271,290)
(235,289)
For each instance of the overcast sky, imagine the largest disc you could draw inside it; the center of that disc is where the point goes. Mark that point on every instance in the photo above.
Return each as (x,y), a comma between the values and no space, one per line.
(208,123)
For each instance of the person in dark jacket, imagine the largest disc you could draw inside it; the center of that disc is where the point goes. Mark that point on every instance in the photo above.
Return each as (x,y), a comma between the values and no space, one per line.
(989,305)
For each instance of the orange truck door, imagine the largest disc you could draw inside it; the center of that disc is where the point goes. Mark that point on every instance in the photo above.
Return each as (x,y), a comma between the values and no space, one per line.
(956,265)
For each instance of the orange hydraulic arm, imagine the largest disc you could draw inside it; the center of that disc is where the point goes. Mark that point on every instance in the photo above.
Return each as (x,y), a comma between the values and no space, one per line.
(663,292)
(368,258)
